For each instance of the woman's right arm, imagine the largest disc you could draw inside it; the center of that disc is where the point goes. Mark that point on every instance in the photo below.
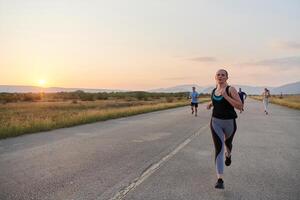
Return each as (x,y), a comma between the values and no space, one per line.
(209,105)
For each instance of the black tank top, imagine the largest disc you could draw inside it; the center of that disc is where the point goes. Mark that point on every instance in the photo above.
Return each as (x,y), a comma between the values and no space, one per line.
(222,108)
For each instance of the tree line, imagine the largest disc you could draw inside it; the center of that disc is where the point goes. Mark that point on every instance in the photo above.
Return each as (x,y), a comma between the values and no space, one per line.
(86,96)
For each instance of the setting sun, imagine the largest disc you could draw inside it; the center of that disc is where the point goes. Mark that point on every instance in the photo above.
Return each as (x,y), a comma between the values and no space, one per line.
(42,82)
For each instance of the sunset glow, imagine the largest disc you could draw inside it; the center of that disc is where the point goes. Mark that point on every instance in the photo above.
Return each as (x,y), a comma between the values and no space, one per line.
(141,45)
(42,82)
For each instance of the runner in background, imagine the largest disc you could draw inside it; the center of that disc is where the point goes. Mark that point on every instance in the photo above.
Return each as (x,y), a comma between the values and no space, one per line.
(266,94)
(243,97)
(194,101)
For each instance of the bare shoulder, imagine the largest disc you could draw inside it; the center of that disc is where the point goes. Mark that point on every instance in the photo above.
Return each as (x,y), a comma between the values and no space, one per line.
(233,93)
(232,89)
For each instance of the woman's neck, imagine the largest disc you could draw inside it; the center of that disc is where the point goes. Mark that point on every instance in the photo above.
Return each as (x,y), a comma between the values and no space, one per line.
(222,85)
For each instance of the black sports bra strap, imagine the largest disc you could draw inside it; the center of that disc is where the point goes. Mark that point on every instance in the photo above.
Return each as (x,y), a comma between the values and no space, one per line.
(227,90)
(213,92)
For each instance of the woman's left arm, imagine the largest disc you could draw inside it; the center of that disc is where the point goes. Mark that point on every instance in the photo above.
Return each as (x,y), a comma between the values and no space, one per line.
(234,100)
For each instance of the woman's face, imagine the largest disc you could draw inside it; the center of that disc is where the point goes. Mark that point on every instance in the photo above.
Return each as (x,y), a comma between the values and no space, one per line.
(221,76)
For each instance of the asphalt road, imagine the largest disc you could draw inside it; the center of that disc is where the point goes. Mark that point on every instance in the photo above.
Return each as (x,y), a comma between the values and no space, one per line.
(160,155)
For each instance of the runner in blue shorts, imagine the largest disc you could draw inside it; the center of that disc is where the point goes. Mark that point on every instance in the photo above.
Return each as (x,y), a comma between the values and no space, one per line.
(194,101)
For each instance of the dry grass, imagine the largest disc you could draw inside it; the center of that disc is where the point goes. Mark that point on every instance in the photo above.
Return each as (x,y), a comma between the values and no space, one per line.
(291,101)
(21,118)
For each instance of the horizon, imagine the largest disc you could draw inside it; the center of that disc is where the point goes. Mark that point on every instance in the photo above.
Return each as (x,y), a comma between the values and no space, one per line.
(124,45)
(148,90)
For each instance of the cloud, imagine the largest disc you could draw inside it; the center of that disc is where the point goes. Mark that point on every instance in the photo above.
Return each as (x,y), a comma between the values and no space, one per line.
(291,45)
(203,59)
(279,63)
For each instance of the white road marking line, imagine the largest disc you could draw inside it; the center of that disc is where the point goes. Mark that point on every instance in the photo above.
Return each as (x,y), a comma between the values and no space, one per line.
(122,193)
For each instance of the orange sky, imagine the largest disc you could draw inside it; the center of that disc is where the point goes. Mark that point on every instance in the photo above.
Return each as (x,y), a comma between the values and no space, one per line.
(147,44)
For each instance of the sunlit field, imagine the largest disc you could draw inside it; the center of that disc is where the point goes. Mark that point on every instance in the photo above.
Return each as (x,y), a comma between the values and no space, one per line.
(291,101)
(29,117)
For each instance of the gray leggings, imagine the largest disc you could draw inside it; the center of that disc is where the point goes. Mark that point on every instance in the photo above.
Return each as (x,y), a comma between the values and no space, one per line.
(222,131)
(266,103)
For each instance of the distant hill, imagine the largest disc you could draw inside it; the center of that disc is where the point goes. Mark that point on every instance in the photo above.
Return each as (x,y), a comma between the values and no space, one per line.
(178,88)
(208,90)
(187,88)
(252,89)
(34,89)
(20,89)
(292,88)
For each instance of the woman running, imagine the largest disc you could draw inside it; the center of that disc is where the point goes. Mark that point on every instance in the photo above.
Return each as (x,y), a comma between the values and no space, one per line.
(224,99)
(266,95)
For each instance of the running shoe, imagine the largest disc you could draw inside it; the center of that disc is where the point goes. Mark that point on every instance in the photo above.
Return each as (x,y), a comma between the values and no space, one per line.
(219,184)
(228,160)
